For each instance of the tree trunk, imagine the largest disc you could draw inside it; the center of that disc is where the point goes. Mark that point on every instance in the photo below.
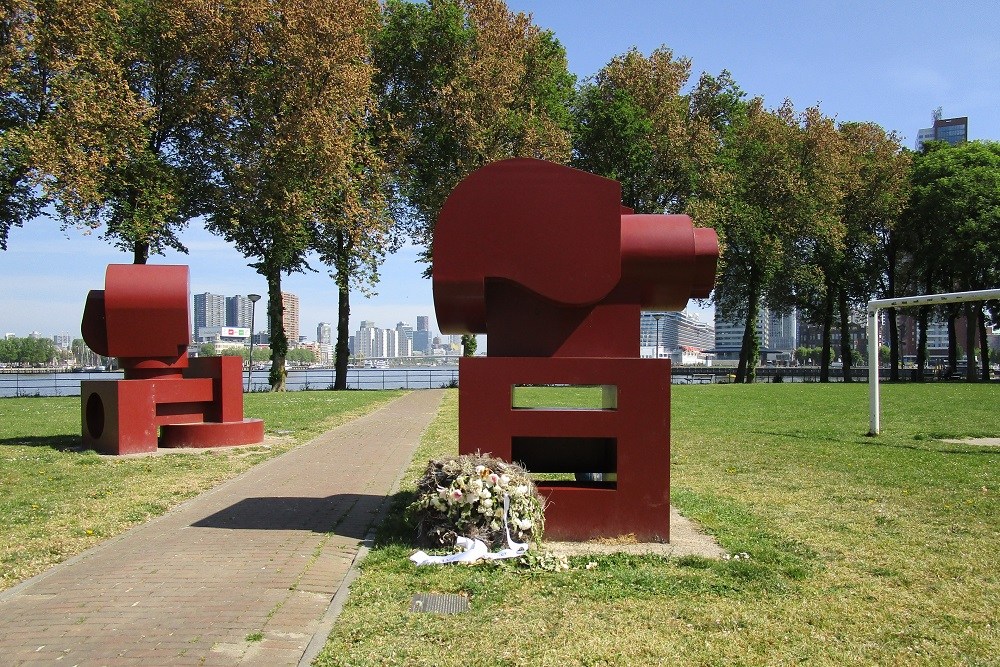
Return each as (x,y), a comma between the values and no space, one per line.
(846,352)
(970,342)
(276,327)
(952,342)
(750,349)
(343,279)
(140,254)
(922,317)
(984,343)
(893,345)
(824,368)
(891,312)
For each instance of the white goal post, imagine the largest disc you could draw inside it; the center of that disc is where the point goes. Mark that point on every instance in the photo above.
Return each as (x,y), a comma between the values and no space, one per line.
(903,302)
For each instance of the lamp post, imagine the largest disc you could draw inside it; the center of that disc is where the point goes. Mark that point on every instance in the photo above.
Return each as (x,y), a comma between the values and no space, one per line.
(657,317)
(254,298)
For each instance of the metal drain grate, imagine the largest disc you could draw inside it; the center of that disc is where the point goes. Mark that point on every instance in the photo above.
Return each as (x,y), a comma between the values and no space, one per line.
(439,603)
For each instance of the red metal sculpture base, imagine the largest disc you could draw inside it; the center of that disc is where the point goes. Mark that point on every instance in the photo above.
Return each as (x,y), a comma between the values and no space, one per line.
(123,416)
(630,440)
(166,399)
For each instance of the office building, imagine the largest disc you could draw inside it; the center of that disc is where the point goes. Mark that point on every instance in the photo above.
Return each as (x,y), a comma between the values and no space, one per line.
(209,310)
(365,340)
(953,130)
(422,340)
(324,333)
(238,311)
(729,335)
(423,323)
(63,341)
(290,316)
(783,332)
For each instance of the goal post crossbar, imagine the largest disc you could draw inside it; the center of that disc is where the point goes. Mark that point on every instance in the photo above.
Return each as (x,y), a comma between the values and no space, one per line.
(904,302)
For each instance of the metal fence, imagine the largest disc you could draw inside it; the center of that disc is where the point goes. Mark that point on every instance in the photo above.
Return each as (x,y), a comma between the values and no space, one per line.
(68,384)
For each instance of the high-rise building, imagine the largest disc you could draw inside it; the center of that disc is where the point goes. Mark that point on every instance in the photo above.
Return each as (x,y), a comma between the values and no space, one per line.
(784,332)
(953,130)
(422,341)
(324,333)
(63,341)
(238,311)
(423,323)
(729,334)
(364,340)
(209,310)
(290,315)
(405,333)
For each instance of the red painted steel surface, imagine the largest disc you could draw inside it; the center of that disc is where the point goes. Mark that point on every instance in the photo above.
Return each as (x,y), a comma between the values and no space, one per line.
(141,317)
(546,261)
(639,503)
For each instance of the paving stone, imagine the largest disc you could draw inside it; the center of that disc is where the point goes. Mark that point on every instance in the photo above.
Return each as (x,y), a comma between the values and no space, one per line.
(188,587)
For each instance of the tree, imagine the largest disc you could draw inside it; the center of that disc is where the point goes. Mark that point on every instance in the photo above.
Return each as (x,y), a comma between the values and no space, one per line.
(469,345)
(876,189)
(634,123)
(813,275)
(953,223)
(356,230)
(463,83)
(168,55)
(296,95)
(749,196)
(301,355)
(65,113)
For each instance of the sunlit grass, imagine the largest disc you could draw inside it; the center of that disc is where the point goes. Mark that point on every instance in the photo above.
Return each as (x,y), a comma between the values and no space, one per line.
(57,500)
(862,550)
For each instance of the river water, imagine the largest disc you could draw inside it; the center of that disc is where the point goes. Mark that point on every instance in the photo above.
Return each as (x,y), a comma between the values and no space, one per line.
(414,377)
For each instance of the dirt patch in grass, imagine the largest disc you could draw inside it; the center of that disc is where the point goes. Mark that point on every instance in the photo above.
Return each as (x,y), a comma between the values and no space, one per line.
(686,539)
(979,442)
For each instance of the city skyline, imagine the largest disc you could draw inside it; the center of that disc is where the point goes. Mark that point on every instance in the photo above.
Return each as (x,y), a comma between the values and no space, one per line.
(861,61)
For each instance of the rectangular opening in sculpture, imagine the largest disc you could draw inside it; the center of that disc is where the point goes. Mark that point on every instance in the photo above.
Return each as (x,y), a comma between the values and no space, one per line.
(568,461)
(564,397)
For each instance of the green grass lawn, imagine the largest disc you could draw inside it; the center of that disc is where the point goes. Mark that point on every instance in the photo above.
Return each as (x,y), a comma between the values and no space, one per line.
(57,500)
(870,551)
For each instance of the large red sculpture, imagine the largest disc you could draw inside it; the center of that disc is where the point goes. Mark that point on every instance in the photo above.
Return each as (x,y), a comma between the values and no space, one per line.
(547,262)
(141,317)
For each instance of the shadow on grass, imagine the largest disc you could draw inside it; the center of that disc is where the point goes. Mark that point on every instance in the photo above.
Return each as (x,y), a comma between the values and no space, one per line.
(58,442)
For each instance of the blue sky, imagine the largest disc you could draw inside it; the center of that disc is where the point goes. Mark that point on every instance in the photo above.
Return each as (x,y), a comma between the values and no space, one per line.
(885,62)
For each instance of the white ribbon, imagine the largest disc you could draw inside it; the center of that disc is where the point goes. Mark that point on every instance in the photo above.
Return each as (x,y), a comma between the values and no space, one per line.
(473,550)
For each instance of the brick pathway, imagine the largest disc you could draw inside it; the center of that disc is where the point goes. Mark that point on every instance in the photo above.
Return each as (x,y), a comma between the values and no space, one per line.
(242,574)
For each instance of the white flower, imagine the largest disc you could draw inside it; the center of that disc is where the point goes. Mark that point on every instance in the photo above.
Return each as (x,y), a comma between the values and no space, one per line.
(493,479)
(521,490)
(484,494)
(476,485)
(504,480)
(487,503)
(480,469)
(524,524)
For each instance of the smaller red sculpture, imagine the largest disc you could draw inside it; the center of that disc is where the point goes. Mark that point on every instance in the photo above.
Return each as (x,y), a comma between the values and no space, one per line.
(546,261)
(141,317)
